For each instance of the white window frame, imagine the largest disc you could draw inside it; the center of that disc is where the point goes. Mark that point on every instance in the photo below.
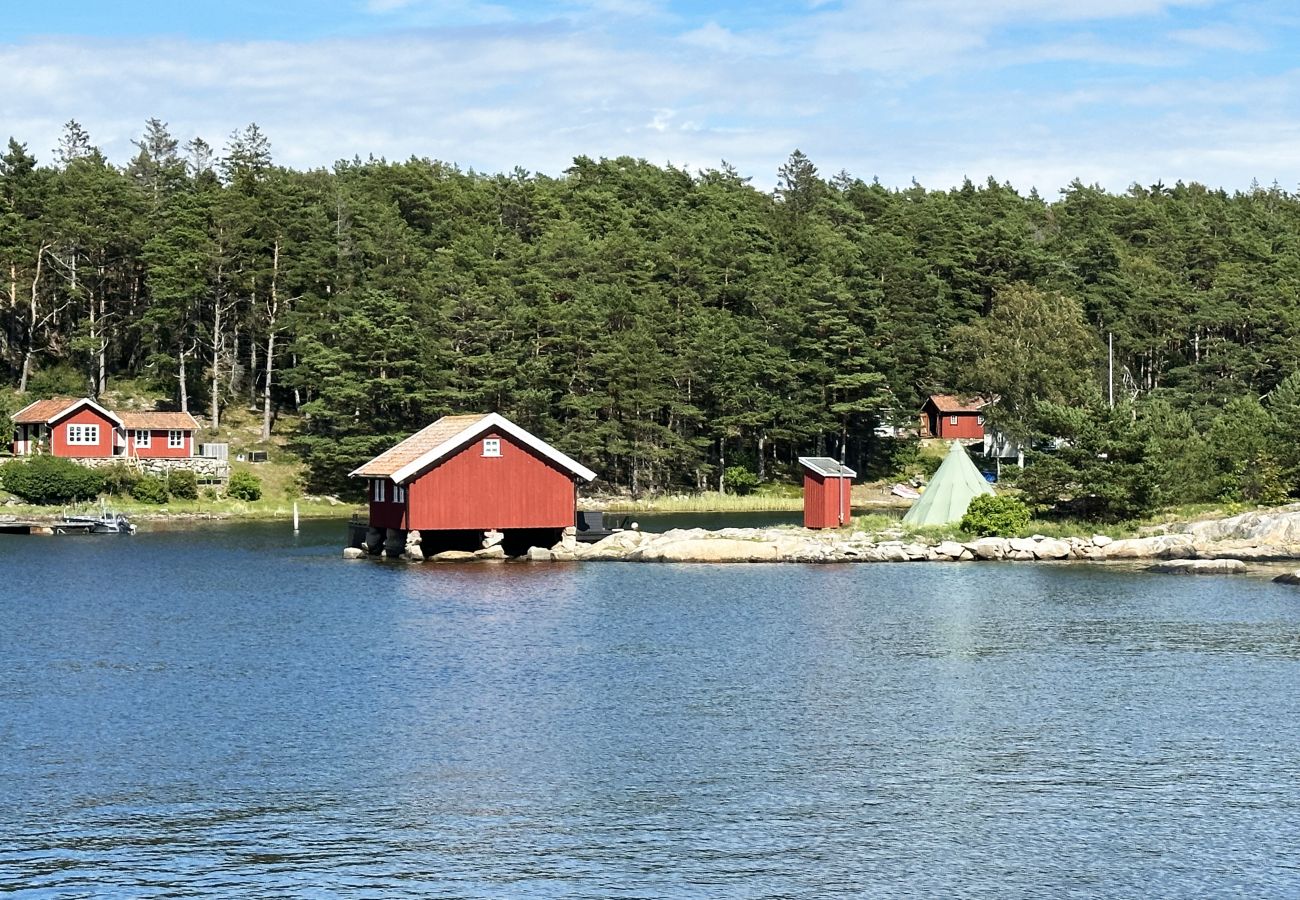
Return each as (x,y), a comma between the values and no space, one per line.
(979,420)
(399,494)
(175,439)
(377,490)
(143,438)
(82,435)
(492,447)
(952,420)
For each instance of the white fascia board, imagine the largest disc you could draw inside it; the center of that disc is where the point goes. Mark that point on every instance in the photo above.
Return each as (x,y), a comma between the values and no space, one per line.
(488,422)
(85,401)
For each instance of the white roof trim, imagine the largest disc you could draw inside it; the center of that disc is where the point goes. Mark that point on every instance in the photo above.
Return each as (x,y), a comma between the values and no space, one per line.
(813,464)
(85,401)
(492,420)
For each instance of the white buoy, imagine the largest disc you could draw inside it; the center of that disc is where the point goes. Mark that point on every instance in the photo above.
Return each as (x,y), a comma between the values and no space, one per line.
(295,516)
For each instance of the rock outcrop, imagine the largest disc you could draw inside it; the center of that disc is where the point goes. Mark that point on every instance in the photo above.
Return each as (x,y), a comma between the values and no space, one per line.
(1200,567)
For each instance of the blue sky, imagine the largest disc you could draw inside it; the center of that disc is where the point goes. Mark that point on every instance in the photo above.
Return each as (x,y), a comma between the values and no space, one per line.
(1031,92)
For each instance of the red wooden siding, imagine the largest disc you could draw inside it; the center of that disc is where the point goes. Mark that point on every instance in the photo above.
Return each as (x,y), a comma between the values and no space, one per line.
(518,489)
(59,445)
(158,448)
(826,501)
(970,426)
(386,513)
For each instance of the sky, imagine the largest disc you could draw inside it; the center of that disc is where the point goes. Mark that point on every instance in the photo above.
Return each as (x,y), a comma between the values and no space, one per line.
(1112,92)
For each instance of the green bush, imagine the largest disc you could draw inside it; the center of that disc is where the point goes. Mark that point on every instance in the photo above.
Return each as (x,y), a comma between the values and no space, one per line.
(183,484)
(739,480)
(150,489)
(50,479)
(244,486)
(989,515)
(119,479)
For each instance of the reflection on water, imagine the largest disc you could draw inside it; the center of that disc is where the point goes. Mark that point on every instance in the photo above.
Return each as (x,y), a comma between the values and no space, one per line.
(237,712)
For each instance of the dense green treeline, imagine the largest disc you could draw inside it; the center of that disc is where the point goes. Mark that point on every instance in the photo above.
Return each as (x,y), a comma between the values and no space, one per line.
(658,324)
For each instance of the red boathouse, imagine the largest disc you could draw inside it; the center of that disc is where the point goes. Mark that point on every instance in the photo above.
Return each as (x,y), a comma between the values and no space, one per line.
(470,475)
(951,418)
(827,490)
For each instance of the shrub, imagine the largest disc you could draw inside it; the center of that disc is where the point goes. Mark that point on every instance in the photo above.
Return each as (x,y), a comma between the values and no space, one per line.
(119,479)
(150,489)
(739,480)
(183,484)
(51,479)
(989,515)
(244,486)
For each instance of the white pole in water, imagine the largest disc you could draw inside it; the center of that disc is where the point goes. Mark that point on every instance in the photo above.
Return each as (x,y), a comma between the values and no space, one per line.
(295,516)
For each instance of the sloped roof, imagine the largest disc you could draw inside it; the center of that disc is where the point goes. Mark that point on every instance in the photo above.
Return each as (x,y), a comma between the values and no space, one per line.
(44,412)
(949,403)
(434,442)
(950,491)
(826,466)
(159,421)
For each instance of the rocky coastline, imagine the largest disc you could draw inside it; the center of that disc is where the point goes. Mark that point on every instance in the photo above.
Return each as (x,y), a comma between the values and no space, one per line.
(1216,546)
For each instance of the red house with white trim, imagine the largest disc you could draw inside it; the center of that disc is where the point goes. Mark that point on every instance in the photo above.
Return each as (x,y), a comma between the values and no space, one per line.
(82,429)
(472,473)
(952,418)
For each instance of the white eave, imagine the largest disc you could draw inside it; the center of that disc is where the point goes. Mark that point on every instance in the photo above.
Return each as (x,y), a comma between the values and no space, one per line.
(487,423)
(85,401)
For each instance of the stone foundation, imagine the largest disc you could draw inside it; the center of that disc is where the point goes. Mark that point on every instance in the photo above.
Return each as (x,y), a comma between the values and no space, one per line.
(204,468)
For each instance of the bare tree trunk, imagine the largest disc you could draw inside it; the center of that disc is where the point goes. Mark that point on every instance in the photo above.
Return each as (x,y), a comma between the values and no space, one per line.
(217,344)
(272,315)
(185,396)
(31,324)
(101,383)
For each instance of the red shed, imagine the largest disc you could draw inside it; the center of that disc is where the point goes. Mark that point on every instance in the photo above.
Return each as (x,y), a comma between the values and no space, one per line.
(949,417)
(78,429)
(827,486)
(472,473)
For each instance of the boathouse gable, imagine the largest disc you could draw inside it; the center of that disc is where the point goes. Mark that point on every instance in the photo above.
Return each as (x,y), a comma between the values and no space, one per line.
(472,473)
(952,418)
(80,429)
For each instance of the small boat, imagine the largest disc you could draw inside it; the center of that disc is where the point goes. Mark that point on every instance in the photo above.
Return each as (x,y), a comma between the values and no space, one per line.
(907,492)
(106,522)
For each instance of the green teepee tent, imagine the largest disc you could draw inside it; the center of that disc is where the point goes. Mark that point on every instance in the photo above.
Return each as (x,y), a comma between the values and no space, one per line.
(951,490)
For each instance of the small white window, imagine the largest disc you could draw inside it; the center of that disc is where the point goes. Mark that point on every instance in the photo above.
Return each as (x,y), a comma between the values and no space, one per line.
(980,419)
(83,434)
(952,420)
(399,494)
(143,438)
(175,439)
(492,446)
(378,494)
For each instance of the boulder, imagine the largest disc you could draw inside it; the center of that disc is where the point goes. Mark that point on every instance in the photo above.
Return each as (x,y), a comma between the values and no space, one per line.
(617,546)
(989,548)
(452,556)
(950,549)
(1200,567)
(496,551)
(1270,527)
(563,555)
(1050,548)
(492,538)
(1020,545)
(1101,540)
(1288,578)
(353,553)
(538,554)
(713,550)
(414,552)
(892,551)
(1020,554)
(1160,546)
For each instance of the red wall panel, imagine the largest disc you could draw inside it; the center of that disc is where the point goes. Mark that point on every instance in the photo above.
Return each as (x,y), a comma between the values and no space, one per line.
(518,489)
(158,448)
(826,501)
(59,445)
(968,427)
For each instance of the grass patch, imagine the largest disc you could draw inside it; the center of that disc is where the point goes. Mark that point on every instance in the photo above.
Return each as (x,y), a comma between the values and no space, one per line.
(708,501)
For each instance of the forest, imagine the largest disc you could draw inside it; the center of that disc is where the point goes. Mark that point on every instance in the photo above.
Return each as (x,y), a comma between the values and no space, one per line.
(659,324)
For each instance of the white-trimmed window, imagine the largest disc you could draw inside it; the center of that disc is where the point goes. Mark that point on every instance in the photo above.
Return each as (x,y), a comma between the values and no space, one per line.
(143,438)
(980,419)
(952,420)
(377,493)
(399,494)
(492,446)
(175,440)
(83,434)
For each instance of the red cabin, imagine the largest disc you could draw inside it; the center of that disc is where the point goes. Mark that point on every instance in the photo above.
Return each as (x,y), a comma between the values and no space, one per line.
(827,492)
(473,473)
(63,426)
(951,418)
(159,435)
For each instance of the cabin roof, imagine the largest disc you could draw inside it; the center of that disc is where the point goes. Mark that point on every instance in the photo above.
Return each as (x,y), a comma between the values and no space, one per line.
(159,421)
(949,403)
(47,412)
(448,435)
(826,467)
